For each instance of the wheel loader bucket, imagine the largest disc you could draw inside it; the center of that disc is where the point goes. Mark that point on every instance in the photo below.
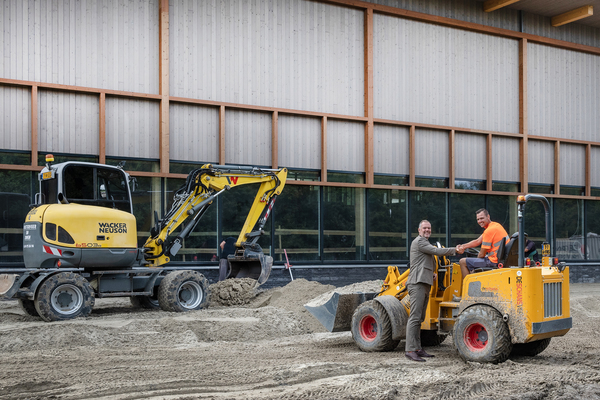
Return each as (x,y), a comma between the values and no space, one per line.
(252,264)
(335,312)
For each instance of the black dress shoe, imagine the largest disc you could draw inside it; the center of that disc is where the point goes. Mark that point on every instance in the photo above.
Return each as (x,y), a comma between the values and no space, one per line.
(412,355)
(423,353)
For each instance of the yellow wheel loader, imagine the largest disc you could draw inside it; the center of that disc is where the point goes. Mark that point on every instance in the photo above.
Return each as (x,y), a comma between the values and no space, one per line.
(515,308)
(80,240)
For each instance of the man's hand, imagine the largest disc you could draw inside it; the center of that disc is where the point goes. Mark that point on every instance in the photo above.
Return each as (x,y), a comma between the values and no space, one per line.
(434,276)
(460,249)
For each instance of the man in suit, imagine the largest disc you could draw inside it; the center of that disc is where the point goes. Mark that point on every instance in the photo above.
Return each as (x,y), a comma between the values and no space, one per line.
(420,279)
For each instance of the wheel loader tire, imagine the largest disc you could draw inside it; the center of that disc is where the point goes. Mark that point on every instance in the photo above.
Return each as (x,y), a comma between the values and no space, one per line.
(481,335)
(371,328)
(530,349)
(29,307)
(145,302)
(431,338)
(64,296)
(183,291)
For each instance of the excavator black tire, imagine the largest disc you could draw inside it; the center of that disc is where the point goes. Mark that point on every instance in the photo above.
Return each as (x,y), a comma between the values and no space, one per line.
(480,335)
(183,291)
(29,307)
(145,302)
(431,338)
(371,328)
(64,296)
(530,349)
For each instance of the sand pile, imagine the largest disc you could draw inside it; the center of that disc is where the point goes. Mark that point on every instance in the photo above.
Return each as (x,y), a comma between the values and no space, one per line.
(233,292)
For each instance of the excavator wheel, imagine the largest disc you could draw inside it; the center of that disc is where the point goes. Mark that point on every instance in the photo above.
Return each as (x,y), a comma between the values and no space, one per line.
(372,328)
(431,338)
(64,296)
(481,335)
(29,307)
(145,302)
(183,291)
(530,349)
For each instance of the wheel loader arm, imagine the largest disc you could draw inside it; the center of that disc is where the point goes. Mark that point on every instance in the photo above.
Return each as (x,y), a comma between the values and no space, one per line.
(193,199)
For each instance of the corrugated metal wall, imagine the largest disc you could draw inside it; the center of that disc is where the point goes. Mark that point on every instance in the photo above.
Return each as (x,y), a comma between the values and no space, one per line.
(248,137)
(299,142)
(573,32)
(194,133)
(464,10)
(541,161)
(109,44)
(290,54)
(572,164)
(345,146)
(432,154)
(595,167)
(563,93)
(436,75)
(68,122)
(505,159)
(470,156)
(15,123)
(390,149)
(132,128)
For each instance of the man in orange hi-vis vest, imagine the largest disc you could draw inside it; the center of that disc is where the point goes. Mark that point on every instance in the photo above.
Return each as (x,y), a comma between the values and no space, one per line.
(490,240)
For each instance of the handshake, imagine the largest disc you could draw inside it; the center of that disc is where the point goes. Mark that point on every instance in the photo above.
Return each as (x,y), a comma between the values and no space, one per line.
(460,249)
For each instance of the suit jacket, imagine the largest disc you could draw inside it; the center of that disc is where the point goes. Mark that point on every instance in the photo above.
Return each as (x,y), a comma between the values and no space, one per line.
(422,261)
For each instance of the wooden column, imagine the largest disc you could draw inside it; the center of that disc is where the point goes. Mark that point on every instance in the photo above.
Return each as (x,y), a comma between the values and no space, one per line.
(452,159)
(34,126)
(324,149)
(488,161)
(588,170)
(275,140)
(411,157)
(557,167)
(102,129)
(523,128)
(369,126)
(222,135)
(164,152)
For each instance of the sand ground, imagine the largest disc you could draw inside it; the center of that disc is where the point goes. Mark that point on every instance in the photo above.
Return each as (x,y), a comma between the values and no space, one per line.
(266,346)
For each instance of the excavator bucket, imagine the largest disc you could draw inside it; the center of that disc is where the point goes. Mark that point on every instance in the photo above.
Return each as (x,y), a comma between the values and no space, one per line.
(252,264)
(335,312)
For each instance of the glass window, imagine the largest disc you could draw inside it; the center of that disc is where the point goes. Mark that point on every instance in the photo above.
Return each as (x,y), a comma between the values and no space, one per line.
(539,188)
(592,224)
(15,198)
(146,200)
(535,223)
(387,224)
(431,182)
(463,219)
(432,207)
(15,158)
(506,186)
(183,167)
(469,184)
(134,164)
(61,157)
(394,180)
(345,178)
(78,183)
(568,217)
(503,209)
(303,175)
(343,223)
(572,190)
(296,218)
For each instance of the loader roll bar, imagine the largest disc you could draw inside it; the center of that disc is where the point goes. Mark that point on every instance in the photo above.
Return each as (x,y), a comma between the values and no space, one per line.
(521,202)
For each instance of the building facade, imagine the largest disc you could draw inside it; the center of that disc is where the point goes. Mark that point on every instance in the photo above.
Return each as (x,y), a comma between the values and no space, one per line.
(384,112)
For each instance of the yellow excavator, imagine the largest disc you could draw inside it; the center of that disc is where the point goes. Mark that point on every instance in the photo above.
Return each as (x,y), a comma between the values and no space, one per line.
(514,309)
(80,240)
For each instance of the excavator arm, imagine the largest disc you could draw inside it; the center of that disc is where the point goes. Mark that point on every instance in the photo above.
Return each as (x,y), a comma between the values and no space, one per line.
(193,199)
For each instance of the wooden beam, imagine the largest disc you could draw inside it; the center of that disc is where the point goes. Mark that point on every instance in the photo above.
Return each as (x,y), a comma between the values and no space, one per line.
(557,167)
(523,121)
(493,5)
(34,125)
(222,135)
(275,140)
(488,161)
(163,77)
(411,157)
(573,15)
(452,159)
(368,96)
(324,149)
(102,129)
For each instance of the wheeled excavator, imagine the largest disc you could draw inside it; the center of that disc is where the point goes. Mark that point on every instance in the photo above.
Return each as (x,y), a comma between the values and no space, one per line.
(80,240)
(513,309)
